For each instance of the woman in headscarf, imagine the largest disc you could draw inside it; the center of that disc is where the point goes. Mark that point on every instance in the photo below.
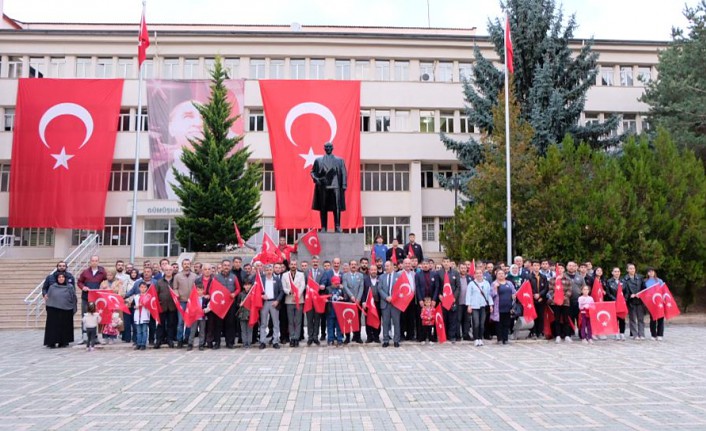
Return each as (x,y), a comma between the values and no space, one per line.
(61,307)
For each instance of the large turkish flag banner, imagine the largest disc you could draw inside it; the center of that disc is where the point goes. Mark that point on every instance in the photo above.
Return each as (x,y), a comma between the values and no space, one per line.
(62,150)
(301,117)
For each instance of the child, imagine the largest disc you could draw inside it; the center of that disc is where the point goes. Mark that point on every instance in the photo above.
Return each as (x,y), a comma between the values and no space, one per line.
(334,329)
(244,315)
(141,317)
(428,317)
(586,304)
(201,323)
(90,321)
(110,331)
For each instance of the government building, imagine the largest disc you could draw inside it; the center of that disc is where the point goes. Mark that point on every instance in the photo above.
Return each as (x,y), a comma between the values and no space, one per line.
(411,92)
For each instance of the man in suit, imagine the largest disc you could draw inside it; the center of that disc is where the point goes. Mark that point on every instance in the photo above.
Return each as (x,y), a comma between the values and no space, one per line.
(411,314)
(353,287)
(291,281)
(390,313)
(524,272)
(426,284)
(315,273)
(412,249)
(450,316)
(370,283)
(540,287)
(272,298)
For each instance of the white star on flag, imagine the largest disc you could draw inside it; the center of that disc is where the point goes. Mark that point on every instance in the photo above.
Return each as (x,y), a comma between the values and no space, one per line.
(309,158)
(62,159)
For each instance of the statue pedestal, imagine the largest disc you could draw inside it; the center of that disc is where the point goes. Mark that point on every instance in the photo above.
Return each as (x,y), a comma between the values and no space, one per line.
(347,246)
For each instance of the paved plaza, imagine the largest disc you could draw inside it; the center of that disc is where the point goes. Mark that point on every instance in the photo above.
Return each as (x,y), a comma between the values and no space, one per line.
(523,386)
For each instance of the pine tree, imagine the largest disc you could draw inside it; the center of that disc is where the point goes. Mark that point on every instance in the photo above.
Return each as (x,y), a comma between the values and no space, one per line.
(222,186)
(549,81)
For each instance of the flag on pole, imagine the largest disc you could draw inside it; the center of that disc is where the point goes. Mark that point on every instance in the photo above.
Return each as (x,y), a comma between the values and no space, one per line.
(143,41)
(241,243)
(508,46)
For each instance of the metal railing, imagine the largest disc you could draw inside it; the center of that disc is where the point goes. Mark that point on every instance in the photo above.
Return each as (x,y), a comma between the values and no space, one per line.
(76,261)
(6,241)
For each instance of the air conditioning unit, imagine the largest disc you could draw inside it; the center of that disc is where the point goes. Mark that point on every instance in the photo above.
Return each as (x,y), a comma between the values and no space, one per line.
(425,77)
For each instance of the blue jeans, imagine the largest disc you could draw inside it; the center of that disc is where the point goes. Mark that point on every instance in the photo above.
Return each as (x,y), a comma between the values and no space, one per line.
(333,329)
(182,333)
(142,329)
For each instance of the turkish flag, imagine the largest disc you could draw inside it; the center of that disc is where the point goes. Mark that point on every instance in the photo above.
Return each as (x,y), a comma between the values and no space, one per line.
(604,319)
(508,46)
(193,311)
(410,251)
(313,298)
(347,316)
(402,293)
(653,300)
(175,298)
(372,318)
(143,41)
(150,301)
(440,329)
(524,295)
(548,320)
(373,259)
(393,259)
(671,309)
(241,243)
(220,300)
(621,307)
(109,299)
(102,305)
(447,295)
(62,151)
(472,269)
(301,117)
(253,300)
(311,242)
(597,291)
(558,291)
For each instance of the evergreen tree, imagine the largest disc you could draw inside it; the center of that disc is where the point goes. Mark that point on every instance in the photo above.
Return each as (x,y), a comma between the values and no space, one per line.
(549,81)
(222,186)
(677,98)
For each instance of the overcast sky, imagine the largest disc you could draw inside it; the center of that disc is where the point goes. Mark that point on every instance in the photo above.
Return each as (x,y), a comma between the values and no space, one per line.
(602,19)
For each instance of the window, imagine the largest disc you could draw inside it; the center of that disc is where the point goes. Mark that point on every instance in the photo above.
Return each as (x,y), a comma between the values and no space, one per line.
(37,67)
(277,69)
(257,68)
(83,67)
(428,230)
(209,64)
(644,75)
(124,120)
(256,121)
(104,68)
(387,227)
(445,171)
(362,70)
(466,126)
(57,67)
(4,177)
(427,176)
(402,121)
(170,68)
(297,68)
(607,76)
(382,70)
(124,68)
(142,118)
(446,122)
(191,68)
(382,121)
(626,76)
(591,120)
(444,72)
(317,68)
(14,67)
(629,123)
(426,121)
(645,124)
(147,69)
(401,70)
(9,119)
(122,177)
(28,237)
(232,67)
(465,71)
(268,177)
(385,177)
(116,232)
(364,121)
(442,222)
(343,69)
(426,72)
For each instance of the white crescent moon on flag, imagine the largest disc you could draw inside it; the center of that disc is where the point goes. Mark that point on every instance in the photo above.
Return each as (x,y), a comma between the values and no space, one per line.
(315,241)
(153,305)
(409,290)
(346,311)
(436,318)
(60,109)
(115,301)
(602,312)
(213,296)
(309,108)
(656,295)
(526,295)
(99,301)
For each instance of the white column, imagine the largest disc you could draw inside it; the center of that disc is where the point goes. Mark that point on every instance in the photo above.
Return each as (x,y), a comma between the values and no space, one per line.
(415,196)
(62,243)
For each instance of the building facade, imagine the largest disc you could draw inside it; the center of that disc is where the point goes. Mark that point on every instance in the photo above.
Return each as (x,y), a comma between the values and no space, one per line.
(411,92)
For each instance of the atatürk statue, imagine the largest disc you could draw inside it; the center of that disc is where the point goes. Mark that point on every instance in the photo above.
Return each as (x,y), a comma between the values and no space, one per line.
(330,179)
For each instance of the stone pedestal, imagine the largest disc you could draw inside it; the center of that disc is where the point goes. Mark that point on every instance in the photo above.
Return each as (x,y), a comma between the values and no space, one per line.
(347,246)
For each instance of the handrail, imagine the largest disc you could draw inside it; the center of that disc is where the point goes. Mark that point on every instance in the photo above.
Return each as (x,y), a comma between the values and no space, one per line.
(6,241)
(76,261)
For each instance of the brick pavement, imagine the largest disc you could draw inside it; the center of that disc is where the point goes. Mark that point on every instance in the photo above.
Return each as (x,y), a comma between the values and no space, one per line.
(523,386)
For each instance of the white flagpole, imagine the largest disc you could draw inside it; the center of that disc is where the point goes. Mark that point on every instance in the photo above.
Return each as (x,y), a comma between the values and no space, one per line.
(508,219)
(133,229)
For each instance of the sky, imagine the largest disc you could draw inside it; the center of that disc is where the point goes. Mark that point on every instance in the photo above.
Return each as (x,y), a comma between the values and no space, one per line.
(602,19)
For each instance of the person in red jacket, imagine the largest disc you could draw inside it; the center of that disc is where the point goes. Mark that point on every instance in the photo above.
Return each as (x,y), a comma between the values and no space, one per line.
(89,279)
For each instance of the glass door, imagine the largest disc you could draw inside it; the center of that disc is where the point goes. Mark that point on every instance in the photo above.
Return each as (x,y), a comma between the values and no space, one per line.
(160,238)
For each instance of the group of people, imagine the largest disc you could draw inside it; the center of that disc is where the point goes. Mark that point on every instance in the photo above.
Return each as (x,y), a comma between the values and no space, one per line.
(484,303)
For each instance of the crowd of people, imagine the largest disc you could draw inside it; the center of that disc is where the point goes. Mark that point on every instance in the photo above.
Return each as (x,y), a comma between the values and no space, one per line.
(484,300)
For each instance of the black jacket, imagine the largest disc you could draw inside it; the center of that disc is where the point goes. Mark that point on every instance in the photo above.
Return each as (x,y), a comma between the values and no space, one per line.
(632,286)
(420,285)
(540,288)
(417,249)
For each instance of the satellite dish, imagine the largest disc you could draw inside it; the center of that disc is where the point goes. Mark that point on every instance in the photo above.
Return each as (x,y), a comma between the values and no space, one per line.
(425,77)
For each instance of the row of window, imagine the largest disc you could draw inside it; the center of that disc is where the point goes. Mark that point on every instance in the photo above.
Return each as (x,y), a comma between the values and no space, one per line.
(624,75)
(122,177)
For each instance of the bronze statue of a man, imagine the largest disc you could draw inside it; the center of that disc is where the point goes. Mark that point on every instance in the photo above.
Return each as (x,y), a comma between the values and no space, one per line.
(330,183)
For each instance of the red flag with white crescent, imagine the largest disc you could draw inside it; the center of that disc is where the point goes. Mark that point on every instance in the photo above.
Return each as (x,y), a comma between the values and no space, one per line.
(597,291)
(220,300)
(311,242)
(439,322)
(372,317)
(604,319)
(150,300)
(301,117)
(102,305)
(254,300)
(143,41)
(447,294)
(241,243)
(193,311)
(621,306)
(62,152)
(671,309)
(524,295)
(347,316)
(653,300)
(177,303)
(112,301)
(402,293)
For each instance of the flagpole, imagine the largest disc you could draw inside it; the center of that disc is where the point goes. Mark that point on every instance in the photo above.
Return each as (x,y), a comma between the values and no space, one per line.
(133,231)
(508,218)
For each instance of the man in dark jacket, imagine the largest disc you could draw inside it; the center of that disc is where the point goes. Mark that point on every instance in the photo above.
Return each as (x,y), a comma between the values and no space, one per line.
(633,283)
(450,316)
(540,287)
(51,278)
(227,278)
(90,279)
(166,330)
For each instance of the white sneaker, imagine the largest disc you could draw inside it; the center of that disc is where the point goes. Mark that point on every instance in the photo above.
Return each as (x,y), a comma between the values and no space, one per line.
(585,341)
(590,341)
(567,340)
(659,338)
(643,338)
(558,340)
(653,338)
(481,343)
